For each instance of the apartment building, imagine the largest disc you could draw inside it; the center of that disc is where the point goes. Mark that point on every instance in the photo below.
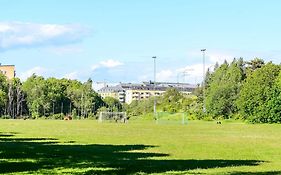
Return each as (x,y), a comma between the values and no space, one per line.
(116,92)
(128,92)
(8,71)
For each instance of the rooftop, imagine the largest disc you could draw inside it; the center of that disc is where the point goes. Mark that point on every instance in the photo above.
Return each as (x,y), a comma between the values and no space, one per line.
(160,86)
(6,65)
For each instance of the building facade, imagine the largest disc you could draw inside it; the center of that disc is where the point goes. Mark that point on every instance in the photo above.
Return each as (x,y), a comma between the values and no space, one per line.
(116,92)
(8,71)
(128,92)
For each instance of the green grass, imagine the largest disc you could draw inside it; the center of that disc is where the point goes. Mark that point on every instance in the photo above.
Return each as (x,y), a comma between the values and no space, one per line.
(139,147)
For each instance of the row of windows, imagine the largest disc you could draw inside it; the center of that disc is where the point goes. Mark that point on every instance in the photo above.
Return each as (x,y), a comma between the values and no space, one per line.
(3,72)
(146,93)
(136,98)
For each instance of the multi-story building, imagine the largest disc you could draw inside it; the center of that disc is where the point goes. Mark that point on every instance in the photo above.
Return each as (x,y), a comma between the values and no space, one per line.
(128,92)
(116,92)
(8,71)
(140,91)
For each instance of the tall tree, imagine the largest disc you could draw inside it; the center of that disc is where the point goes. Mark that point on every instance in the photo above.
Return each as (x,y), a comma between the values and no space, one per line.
(224,89)
(113,104)
(15,101)
(35,89)
(3,93)
(257,92)
(254,64)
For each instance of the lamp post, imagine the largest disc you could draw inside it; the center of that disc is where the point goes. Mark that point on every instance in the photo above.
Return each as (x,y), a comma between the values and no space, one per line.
(178,77)
(154,88)
(185,73)
(203,83)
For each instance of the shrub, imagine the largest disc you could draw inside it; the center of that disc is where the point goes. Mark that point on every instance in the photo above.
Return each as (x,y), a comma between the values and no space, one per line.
(57,116)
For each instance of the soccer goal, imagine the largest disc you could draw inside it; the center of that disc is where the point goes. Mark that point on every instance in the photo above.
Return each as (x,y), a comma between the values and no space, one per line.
(171,118)
(118,117)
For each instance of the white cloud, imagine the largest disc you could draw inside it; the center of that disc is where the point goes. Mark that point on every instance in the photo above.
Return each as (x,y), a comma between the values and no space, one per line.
(36,70)
(107,64)
(192,70)
(24,35)
(219,57)
(72,75)
(164,75)
(98,85)
(194,73)
(143,78)
(188,74)
(5,27)
(110,63)
(214,55)
(95,67)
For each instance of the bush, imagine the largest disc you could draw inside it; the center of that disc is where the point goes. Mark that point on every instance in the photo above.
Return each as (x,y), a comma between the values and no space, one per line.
(92,116)
(237,116)
(208,118)
(5,117)
(57,116)
(259,99)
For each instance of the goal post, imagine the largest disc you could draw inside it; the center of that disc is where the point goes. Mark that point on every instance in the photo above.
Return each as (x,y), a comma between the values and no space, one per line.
(172,117)
(120,117)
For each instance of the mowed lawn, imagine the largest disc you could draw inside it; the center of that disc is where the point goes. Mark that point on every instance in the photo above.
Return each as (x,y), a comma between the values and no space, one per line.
(139,147)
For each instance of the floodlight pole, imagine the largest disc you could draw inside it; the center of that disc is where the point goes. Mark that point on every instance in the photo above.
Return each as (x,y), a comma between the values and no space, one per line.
(178,81)
(154,88)
(203,82)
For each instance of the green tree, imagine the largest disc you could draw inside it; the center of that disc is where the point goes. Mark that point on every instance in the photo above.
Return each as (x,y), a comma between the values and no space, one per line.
(34,88)
(253,65)
(258,93)
(113,104)
(84,99)
(3,93)
(90,100)
(171,101)
(74,93)
(224,89)
(140,107)
(16,97)
(55,94)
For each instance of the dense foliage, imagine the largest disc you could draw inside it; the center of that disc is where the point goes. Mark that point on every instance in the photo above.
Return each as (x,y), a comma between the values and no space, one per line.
(223,89)
(259,99)
(171,101)
(242,90)
(49,98)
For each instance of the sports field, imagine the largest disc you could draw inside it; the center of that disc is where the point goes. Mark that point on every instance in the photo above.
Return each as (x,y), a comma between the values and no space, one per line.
(138,147)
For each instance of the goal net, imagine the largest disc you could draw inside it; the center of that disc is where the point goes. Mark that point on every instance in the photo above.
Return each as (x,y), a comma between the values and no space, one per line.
(120,117)
(171,117)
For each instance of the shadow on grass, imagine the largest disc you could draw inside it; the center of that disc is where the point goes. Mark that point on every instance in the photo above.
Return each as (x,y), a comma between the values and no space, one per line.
(7,134)
(257,173)
(44,155)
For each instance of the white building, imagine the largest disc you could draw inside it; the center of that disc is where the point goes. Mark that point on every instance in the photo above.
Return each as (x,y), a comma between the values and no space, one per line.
(128,92)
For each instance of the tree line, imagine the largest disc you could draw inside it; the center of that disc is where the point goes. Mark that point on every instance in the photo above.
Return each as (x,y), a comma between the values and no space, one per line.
(38,97)
(247,90)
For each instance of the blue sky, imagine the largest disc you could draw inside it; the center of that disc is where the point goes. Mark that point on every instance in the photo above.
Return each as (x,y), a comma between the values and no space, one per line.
(113,41)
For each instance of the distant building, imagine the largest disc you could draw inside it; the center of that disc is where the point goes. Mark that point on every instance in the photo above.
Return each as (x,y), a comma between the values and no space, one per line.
(140,91)
(8,71)
(128,92)
(116,92)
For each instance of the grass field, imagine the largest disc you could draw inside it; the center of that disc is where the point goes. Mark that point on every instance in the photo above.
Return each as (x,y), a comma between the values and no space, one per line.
(139,147)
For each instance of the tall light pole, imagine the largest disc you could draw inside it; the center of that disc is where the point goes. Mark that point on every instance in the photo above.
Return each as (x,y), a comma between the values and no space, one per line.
(185,73)
(178,75)
(203,83)
(154,87)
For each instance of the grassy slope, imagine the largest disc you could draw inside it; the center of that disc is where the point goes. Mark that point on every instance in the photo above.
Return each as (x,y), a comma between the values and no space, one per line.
(87,147)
